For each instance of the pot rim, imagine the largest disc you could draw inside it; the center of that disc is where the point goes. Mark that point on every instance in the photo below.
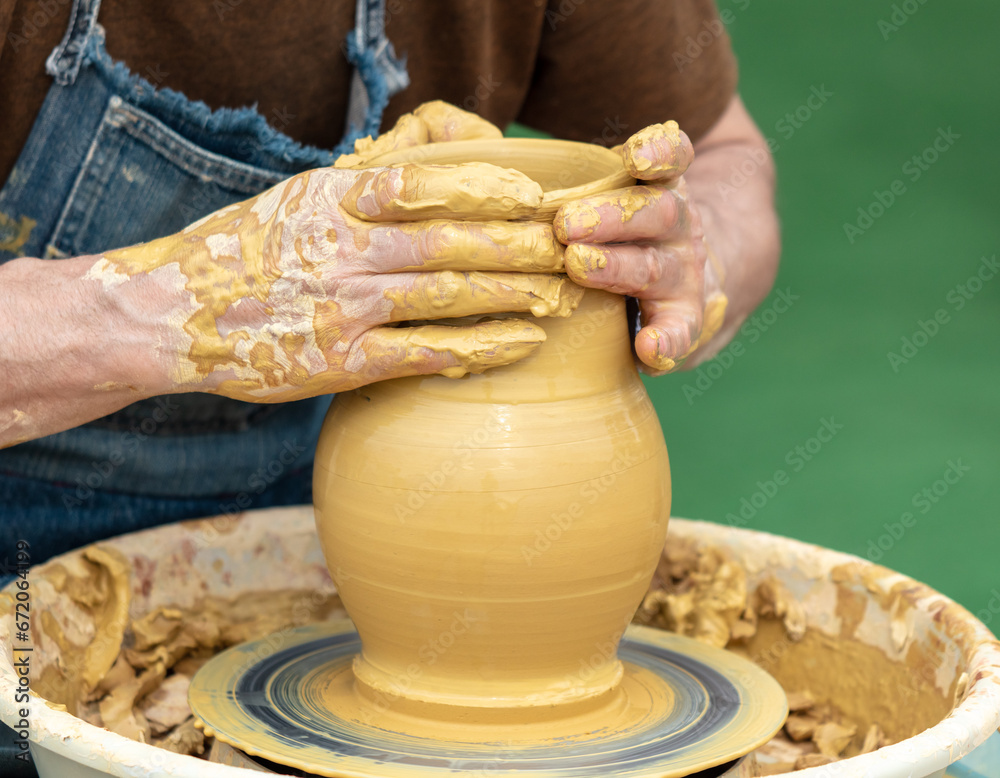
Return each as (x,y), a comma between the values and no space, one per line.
(483,150)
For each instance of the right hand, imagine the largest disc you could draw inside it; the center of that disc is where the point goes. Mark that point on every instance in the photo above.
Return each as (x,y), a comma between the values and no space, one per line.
(296,292)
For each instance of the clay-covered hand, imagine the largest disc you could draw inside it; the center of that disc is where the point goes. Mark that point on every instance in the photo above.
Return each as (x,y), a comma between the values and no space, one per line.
(647,242)
(433,122)
(298,291)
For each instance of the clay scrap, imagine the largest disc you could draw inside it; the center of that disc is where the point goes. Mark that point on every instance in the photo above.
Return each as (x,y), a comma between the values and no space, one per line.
(131,676)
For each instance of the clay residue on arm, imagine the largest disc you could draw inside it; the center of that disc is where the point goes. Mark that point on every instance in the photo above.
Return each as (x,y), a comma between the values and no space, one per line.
(57,322)
(15,429)
(226,283)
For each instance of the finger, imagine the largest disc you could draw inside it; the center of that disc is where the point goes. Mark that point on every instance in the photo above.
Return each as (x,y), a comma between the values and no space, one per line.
(674,330)
(449,294)
(448,245)
(433,122)
(624,215)
(670,328)
(409,131)
(658,153)
(645,272)
(476,191)
(396,352)
(446,122)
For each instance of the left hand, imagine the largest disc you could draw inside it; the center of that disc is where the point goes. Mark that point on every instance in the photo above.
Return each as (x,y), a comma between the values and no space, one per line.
(647,242)
(433,122)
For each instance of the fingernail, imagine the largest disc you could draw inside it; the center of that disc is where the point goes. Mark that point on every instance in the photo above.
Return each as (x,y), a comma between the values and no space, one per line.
(578,222)
(660,360)
(655,148)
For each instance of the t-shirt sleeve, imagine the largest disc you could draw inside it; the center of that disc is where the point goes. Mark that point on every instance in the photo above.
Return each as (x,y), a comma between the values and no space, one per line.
(607,68)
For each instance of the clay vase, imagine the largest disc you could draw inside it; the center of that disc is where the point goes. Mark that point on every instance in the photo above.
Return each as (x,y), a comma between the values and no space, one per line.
(491,536)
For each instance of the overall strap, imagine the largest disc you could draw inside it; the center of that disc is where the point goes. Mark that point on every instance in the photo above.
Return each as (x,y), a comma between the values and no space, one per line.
(64,62)
(378,73)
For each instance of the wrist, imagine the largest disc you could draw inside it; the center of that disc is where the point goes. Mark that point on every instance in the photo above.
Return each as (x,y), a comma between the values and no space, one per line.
(77,346)
(136,315)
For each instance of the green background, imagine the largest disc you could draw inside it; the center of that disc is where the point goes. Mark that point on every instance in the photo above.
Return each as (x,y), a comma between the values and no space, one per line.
(826,357)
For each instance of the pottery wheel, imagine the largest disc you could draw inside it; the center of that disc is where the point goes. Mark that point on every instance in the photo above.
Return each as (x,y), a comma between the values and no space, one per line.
(684,707)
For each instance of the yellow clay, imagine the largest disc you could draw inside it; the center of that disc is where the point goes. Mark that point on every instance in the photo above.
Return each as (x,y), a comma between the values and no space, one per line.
(585,217)
(583,259)
(283,296)
(464,294)
(668,133)
(431,122)
(499,245)
(409,193)
(526,505)
(580,170)
(512,339)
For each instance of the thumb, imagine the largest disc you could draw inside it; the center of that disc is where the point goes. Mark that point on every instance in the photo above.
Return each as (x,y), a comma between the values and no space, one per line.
(446,122)
(432,122)
(408,131)
(661,152)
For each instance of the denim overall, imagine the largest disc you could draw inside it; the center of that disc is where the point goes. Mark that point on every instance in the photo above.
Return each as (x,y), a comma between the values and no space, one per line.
(113,161)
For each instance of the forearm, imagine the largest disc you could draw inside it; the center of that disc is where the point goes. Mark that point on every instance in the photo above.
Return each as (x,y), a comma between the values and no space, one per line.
(73,349)
(732,182)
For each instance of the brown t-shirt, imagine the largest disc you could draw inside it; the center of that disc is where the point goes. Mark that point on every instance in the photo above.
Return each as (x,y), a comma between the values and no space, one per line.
(591,70)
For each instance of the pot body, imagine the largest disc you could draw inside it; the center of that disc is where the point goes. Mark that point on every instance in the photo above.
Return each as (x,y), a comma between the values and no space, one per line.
(491,536)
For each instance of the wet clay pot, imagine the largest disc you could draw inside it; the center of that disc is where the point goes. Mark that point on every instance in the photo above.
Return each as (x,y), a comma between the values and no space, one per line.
(492,535)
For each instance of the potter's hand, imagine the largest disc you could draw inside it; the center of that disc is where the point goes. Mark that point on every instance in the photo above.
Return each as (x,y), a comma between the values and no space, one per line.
(433,122)
(647,242)
(293,293)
